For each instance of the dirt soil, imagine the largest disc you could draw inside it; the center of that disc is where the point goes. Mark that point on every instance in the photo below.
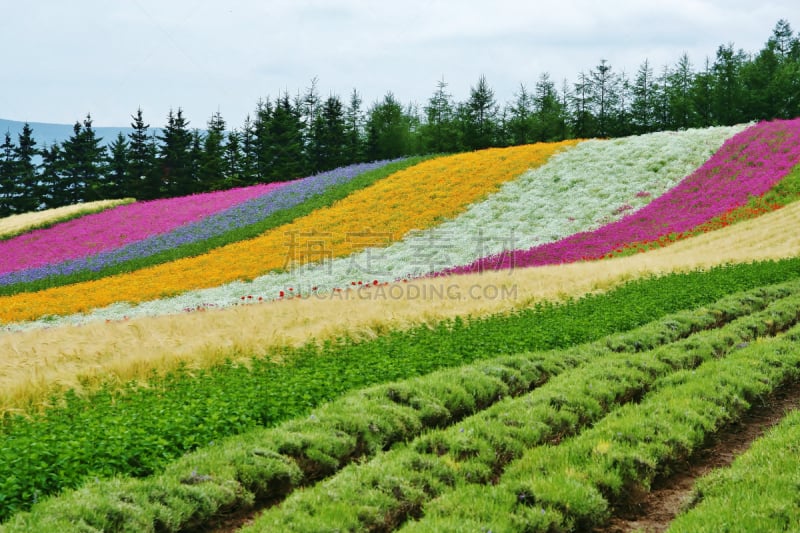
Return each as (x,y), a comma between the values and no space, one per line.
(653,511)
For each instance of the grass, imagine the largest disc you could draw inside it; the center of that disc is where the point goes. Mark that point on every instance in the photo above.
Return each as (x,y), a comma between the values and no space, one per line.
(269,463)
(397,485)
(574,485)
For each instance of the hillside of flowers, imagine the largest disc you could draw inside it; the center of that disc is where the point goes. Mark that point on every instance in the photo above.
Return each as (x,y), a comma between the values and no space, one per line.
(145,229)
(414,198)
(437,423)
(747,166)
(116,227)
(576,190)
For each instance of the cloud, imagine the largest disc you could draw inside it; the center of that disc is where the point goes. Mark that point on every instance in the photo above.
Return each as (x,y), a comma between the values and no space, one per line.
(204,55)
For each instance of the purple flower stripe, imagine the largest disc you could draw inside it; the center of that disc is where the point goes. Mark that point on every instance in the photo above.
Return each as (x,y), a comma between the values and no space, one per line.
(118,226)
(238,216)
(748,164)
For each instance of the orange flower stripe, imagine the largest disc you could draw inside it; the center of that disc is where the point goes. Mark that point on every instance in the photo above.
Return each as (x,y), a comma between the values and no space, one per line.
(414,198)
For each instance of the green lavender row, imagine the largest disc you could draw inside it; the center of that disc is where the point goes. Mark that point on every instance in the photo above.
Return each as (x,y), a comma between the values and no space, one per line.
(384,493)
(267,464)
(575,485)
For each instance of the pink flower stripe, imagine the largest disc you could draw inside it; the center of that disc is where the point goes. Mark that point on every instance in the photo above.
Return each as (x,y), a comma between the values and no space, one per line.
(118,226)
(747,165)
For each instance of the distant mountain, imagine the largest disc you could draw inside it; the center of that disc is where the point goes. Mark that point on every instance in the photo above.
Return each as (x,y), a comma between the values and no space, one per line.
(49,134)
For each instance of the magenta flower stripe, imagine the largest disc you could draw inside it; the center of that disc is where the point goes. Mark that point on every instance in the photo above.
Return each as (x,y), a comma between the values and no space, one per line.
(119,226)
(748,164)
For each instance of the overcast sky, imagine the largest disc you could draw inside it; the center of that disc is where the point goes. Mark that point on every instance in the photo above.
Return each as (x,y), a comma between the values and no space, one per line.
(62,59)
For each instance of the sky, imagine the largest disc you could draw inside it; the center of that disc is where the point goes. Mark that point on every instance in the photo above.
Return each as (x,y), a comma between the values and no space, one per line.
(62,60)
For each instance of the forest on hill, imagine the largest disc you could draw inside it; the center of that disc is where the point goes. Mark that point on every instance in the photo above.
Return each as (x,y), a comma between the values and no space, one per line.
(294,136)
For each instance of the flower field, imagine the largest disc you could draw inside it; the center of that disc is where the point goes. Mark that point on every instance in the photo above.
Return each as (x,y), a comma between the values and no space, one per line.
(516,339)
(517,215)
(17,224)
(116,227)
(429,191)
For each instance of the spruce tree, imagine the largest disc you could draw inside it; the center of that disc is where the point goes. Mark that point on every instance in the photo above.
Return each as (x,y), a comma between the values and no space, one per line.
(702,96)
(329,142)
(234,161)
(681,105)
(480,128)
(520,124)
(83,164)
(262,140)
(388,130)
(118,169)
(51,175)
(142,181)
(549,113)
(728,92)
(25,152)
(284,152)
(354,129)
(248,175)
(175,158)
(642,106)
(583,120)
(8,178)
(212,155)
(604,97)
(440,133)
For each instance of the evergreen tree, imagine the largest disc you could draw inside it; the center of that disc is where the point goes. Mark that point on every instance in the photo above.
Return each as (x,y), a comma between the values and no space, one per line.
(583,121)
(263,140)
(480,127)
(329,142)
(521,124)
(440,132)
(175,158)
(772,79)
(212,156)
(51,171)
(680,82)
(354,129)
(248,174)
(309,111)
(25,152)
(195,184)
(727,93)
(8,178)
(388,130)
(234,161)
(549,113)
(284,152)
(661,103)
(702,96)
(603,97)
(83,158)
(621,124)
(142,181)
(642,106)
(118,169)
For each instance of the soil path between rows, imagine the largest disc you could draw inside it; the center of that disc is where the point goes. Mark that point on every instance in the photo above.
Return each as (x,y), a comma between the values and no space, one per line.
(652,512)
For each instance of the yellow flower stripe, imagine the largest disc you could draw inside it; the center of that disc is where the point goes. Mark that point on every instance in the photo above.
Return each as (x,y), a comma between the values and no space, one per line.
(414,198)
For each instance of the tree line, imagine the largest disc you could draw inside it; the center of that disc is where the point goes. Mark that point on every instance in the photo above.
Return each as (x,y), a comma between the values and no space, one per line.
(295,136)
